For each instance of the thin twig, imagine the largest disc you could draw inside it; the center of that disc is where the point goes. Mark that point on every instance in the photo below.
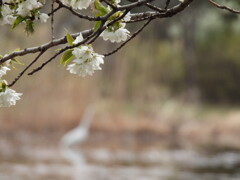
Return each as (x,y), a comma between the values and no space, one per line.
(132,37)
(21,74)
(167,4)
(224,7)
(134,5)
(54,10)
(46,46)
(155,8)
(109,4)
(52,19)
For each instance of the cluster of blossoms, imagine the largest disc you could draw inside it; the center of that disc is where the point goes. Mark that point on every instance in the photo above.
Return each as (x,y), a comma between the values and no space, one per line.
(117,31)
(115,34)
(24,8)
(8,97)
(86,62)
(14,12)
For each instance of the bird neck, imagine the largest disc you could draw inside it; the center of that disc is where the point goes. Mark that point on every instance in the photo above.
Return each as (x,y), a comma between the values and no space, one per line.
(85,123)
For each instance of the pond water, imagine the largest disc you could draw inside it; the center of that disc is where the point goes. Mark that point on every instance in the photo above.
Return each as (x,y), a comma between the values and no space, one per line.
(55,163)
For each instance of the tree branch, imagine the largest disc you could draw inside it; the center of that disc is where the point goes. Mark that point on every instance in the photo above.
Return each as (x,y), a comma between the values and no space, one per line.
(224,7)
(46,46)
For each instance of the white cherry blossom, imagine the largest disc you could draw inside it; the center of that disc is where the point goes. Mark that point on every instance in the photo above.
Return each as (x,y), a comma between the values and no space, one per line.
(86,61)
(77,4)
(9,97)
(83,53)
(117,1)
(43,17)
(118,35)
(127,17)
(78,39)
(7,15)
(3,70)
(24,9)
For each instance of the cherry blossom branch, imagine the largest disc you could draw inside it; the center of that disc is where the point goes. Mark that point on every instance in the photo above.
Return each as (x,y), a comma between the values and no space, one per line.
(60,52)
(93,36)
(98,32)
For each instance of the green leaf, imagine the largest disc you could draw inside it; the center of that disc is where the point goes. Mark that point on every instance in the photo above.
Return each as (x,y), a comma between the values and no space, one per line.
(1,13)
(16,61)
(3,87)
(69,39)
(29,26)
(18,49)
(17,21)
(97,25)
(101,9)
(66,57)
(57,49)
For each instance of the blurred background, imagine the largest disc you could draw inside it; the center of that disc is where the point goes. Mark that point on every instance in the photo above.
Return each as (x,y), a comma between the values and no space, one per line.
(165,107)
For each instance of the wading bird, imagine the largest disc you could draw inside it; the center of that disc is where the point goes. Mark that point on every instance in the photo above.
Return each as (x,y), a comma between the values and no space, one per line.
(77,136)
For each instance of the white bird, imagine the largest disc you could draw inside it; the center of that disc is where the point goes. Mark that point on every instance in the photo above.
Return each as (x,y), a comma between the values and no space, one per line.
(80,133)
(77,136)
